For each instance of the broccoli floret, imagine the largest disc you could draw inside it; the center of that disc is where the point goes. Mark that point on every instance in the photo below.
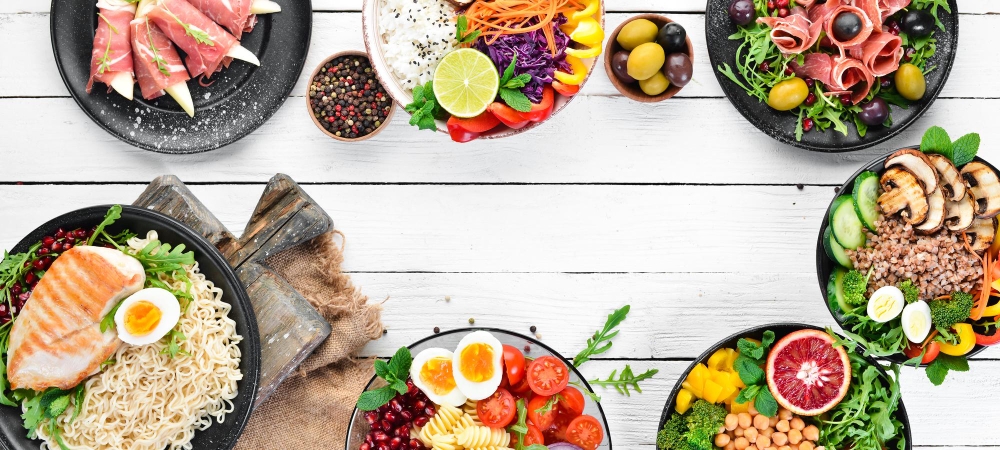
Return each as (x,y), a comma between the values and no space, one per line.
(694,430)
(911,293)
(946,312)
(671,437)
(856,286)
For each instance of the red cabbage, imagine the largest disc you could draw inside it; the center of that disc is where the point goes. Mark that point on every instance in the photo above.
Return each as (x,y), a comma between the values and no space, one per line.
(533,56)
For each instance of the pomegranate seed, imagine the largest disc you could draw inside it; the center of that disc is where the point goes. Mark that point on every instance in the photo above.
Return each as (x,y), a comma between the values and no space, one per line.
(391,417)
(66,247)
(364,446)
(527,349)
(396,443)
(81,233)
(380,436)
(23,298)
(429,410)
(789,71)
(765,67)
(782,3)
(845,99)
(403,431)
(407,416)
(383,447)
(39,264)
(30,278)
(810,83)
(886,83)
(48,240)
(43,251)
(910,53)
(15,289)
(783,12)
(387,426)
(60,233)
(415,443)
(421,421)
(770,4)
(55,247)
(807,124)
(810,99)
(419,404)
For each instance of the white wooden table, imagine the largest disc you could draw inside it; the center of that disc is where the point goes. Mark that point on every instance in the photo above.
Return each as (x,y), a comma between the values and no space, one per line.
(682,209)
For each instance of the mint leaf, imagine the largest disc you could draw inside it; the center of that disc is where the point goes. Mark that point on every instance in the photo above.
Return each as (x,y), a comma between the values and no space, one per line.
(747,394)
(399,386)
(750,373)
(371,400)
(965,148)
(939,368)
(765,403)
(400,363)
(515,99)
(508,73)
(767,339)
(518,82)
(936,140)
(750,349)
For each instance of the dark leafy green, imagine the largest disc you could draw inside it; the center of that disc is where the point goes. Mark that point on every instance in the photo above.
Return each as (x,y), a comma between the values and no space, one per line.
(601,341)
(624,380)
(394,373)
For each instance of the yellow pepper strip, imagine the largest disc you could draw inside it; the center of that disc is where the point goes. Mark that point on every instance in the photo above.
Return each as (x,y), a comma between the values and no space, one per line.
(592,7)
(992,310)
(579,72)
(584,53)
(966,340)
(588,32)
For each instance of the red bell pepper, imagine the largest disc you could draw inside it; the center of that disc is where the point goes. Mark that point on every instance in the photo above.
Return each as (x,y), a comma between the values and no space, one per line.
(509,116)
(465,130)
(459,134)
(988,339)
(567,90)
(542,110)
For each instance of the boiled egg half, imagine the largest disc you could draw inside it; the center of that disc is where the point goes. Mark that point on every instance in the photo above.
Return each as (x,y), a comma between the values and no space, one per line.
(146,316)
(432,373)
(478,365)
(916,321)
(886,304)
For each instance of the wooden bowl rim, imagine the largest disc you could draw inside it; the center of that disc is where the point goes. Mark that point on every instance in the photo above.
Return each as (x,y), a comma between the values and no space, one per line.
(630,90)
(378,129)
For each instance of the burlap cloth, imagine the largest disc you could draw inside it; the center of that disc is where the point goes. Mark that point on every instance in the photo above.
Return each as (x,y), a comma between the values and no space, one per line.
(312,408)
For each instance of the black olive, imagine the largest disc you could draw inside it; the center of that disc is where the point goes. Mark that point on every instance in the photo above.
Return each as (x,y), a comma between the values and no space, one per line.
(846,26)
(874,112)
(918,23)
(678,69)
(742,12)
(672,38)
(619,65)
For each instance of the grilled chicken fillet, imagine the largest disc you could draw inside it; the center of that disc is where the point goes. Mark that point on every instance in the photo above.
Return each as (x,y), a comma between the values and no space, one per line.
(56,340)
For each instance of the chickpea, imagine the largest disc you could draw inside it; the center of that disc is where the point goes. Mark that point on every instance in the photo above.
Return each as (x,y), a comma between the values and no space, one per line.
(721,439)
(739,432)
(731,422)
(797,423)
(766,432)
(753,411)
(806,445)
(779,438)
(782,426)
(794,436)
(741,443)
(772,421)
(750,434)
(784,414)
(771,448)
(730,446)
(763,442)
(784,447)
(760,422)
(745,420)
(811,433)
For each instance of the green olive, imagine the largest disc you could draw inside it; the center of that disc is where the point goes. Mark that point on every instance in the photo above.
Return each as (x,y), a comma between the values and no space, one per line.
(910,82)
(645,60)
(637,32)
(654,85)
(788,94)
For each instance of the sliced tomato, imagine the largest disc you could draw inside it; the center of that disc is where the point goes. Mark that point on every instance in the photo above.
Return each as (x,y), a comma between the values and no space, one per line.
(534,436)
(557,431)
(542,110)
(497,410)
(571,400)
(522,389)
(585,431)
(542,419)
(933,350)
(547,375)
(509,116)
(567,90)
(513,361)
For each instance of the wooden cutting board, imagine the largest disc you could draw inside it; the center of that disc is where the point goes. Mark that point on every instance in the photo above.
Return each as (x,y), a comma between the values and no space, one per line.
(290,328)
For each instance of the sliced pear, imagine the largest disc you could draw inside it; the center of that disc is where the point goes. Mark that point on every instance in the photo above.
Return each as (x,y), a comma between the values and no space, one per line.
(264,7)
(182,95)
(122,83)
(241,53)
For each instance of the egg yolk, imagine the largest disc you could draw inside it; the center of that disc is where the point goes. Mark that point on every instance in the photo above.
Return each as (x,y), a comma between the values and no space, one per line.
(141,318)
(477,362)
(437,374)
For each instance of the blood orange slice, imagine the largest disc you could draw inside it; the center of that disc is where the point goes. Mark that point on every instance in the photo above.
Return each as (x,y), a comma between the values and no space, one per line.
(807,374)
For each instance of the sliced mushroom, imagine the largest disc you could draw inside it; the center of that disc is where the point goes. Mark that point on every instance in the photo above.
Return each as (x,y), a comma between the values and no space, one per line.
(950,179)
(981,234)
(985,187)
(935,213)
(903,194)
(958,215)
(915,162)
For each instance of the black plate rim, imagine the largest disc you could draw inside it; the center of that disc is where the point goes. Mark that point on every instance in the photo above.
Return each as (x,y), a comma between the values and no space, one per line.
(716,59)
(824,265)
(250,381)
(532,340)
(789,326)
(213,145)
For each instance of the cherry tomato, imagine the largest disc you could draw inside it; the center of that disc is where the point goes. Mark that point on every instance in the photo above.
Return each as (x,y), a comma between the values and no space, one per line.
(557,432)
(571,400)
(543,419)
(585,431)
(534,436)
(497,410)
(933,350)
(522,389)
(513,360)
(548,375)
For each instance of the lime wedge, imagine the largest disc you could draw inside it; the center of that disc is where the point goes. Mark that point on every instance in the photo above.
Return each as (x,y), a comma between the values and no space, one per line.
(466,82)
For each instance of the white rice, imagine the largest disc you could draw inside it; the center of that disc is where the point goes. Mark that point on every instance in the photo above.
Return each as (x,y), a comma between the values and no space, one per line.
(417,34)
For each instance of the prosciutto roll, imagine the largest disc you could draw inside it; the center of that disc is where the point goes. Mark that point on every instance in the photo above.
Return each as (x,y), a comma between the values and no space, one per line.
(205,42)
(816,66)
(793,34)
(881,53)
(157,64)
(850,75)
(233,15)
(111,58)
(867,27)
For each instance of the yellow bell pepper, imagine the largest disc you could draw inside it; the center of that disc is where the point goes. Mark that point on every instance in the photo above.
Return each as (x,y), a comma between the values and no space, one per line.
(588,32)
(579,72)
(684,400)
(591,8)
(584,53)
(966,340)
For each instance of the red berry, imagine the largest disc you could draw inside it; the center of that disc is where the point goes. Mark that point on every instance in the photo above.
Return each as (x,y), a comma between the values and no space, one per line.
(810,83)
(48,240)
(810,99)
(765,67)
(807,124)
(30,278)
(783,12)
(60,233)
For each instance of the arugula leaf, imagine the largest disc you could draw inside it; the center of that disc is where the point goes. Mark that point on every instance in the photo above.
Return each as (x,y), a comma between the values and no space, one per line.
(372,400)
(939,368)
(549,404)
(965,148)
(4,384)
(596,398)
(114,213)
(625,379)
(173,348)
(461,27)
(936,140)
(601,341)
(109,320)
(519,428)
(199,35)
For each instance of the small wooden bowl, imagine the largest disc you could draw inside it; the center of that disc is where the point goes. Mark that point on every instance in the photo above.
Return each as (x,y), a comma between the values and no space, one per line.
(631,90)
(392,105)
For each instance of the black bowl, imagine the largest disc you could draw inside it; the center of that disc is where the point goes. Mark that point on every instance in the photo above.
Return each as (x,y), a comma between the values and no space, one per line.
(220,436)
(780,330)
(240,100)
(781,125)
(825,266)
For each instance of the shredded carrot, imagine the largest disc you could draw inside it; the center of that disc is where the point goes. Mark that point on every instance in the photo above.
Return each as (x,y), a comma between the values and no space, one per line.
(984,290)
(494,18)
(929,338)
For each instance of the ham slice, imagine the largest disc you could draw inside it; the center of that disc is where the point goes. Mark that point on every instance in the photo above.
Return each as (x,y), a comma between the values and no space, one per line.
(793,34)
(205,42)
(872,10)
(112,53)
(233,15)
(157,64)
(56,340)
(816,66)
(881,53)
(849,74)
(820,12)
(867,26)
(890,7)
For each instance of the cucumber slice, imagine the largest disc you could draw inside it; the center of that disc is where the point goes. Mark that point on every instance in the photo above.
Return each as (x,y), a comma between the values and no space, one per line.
(836,204)
(834,250)
(835,291)
(865,198)
(847,226)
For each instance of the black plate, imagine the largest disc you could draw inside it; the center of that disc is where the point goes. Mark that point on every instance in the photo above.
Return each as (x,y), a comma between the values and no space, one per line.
(781,125)
(220,436)
(242,98)
(780,330)
(825,265)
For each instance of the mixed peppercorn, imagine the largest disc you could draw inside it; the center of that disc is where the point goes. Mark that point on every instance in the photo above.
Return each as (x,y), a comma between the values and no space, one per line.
(347,99)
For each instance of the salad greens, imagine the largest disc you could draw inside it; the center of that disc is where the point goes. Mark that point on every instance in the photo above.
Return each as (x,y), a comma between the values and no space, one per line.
(752,356)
